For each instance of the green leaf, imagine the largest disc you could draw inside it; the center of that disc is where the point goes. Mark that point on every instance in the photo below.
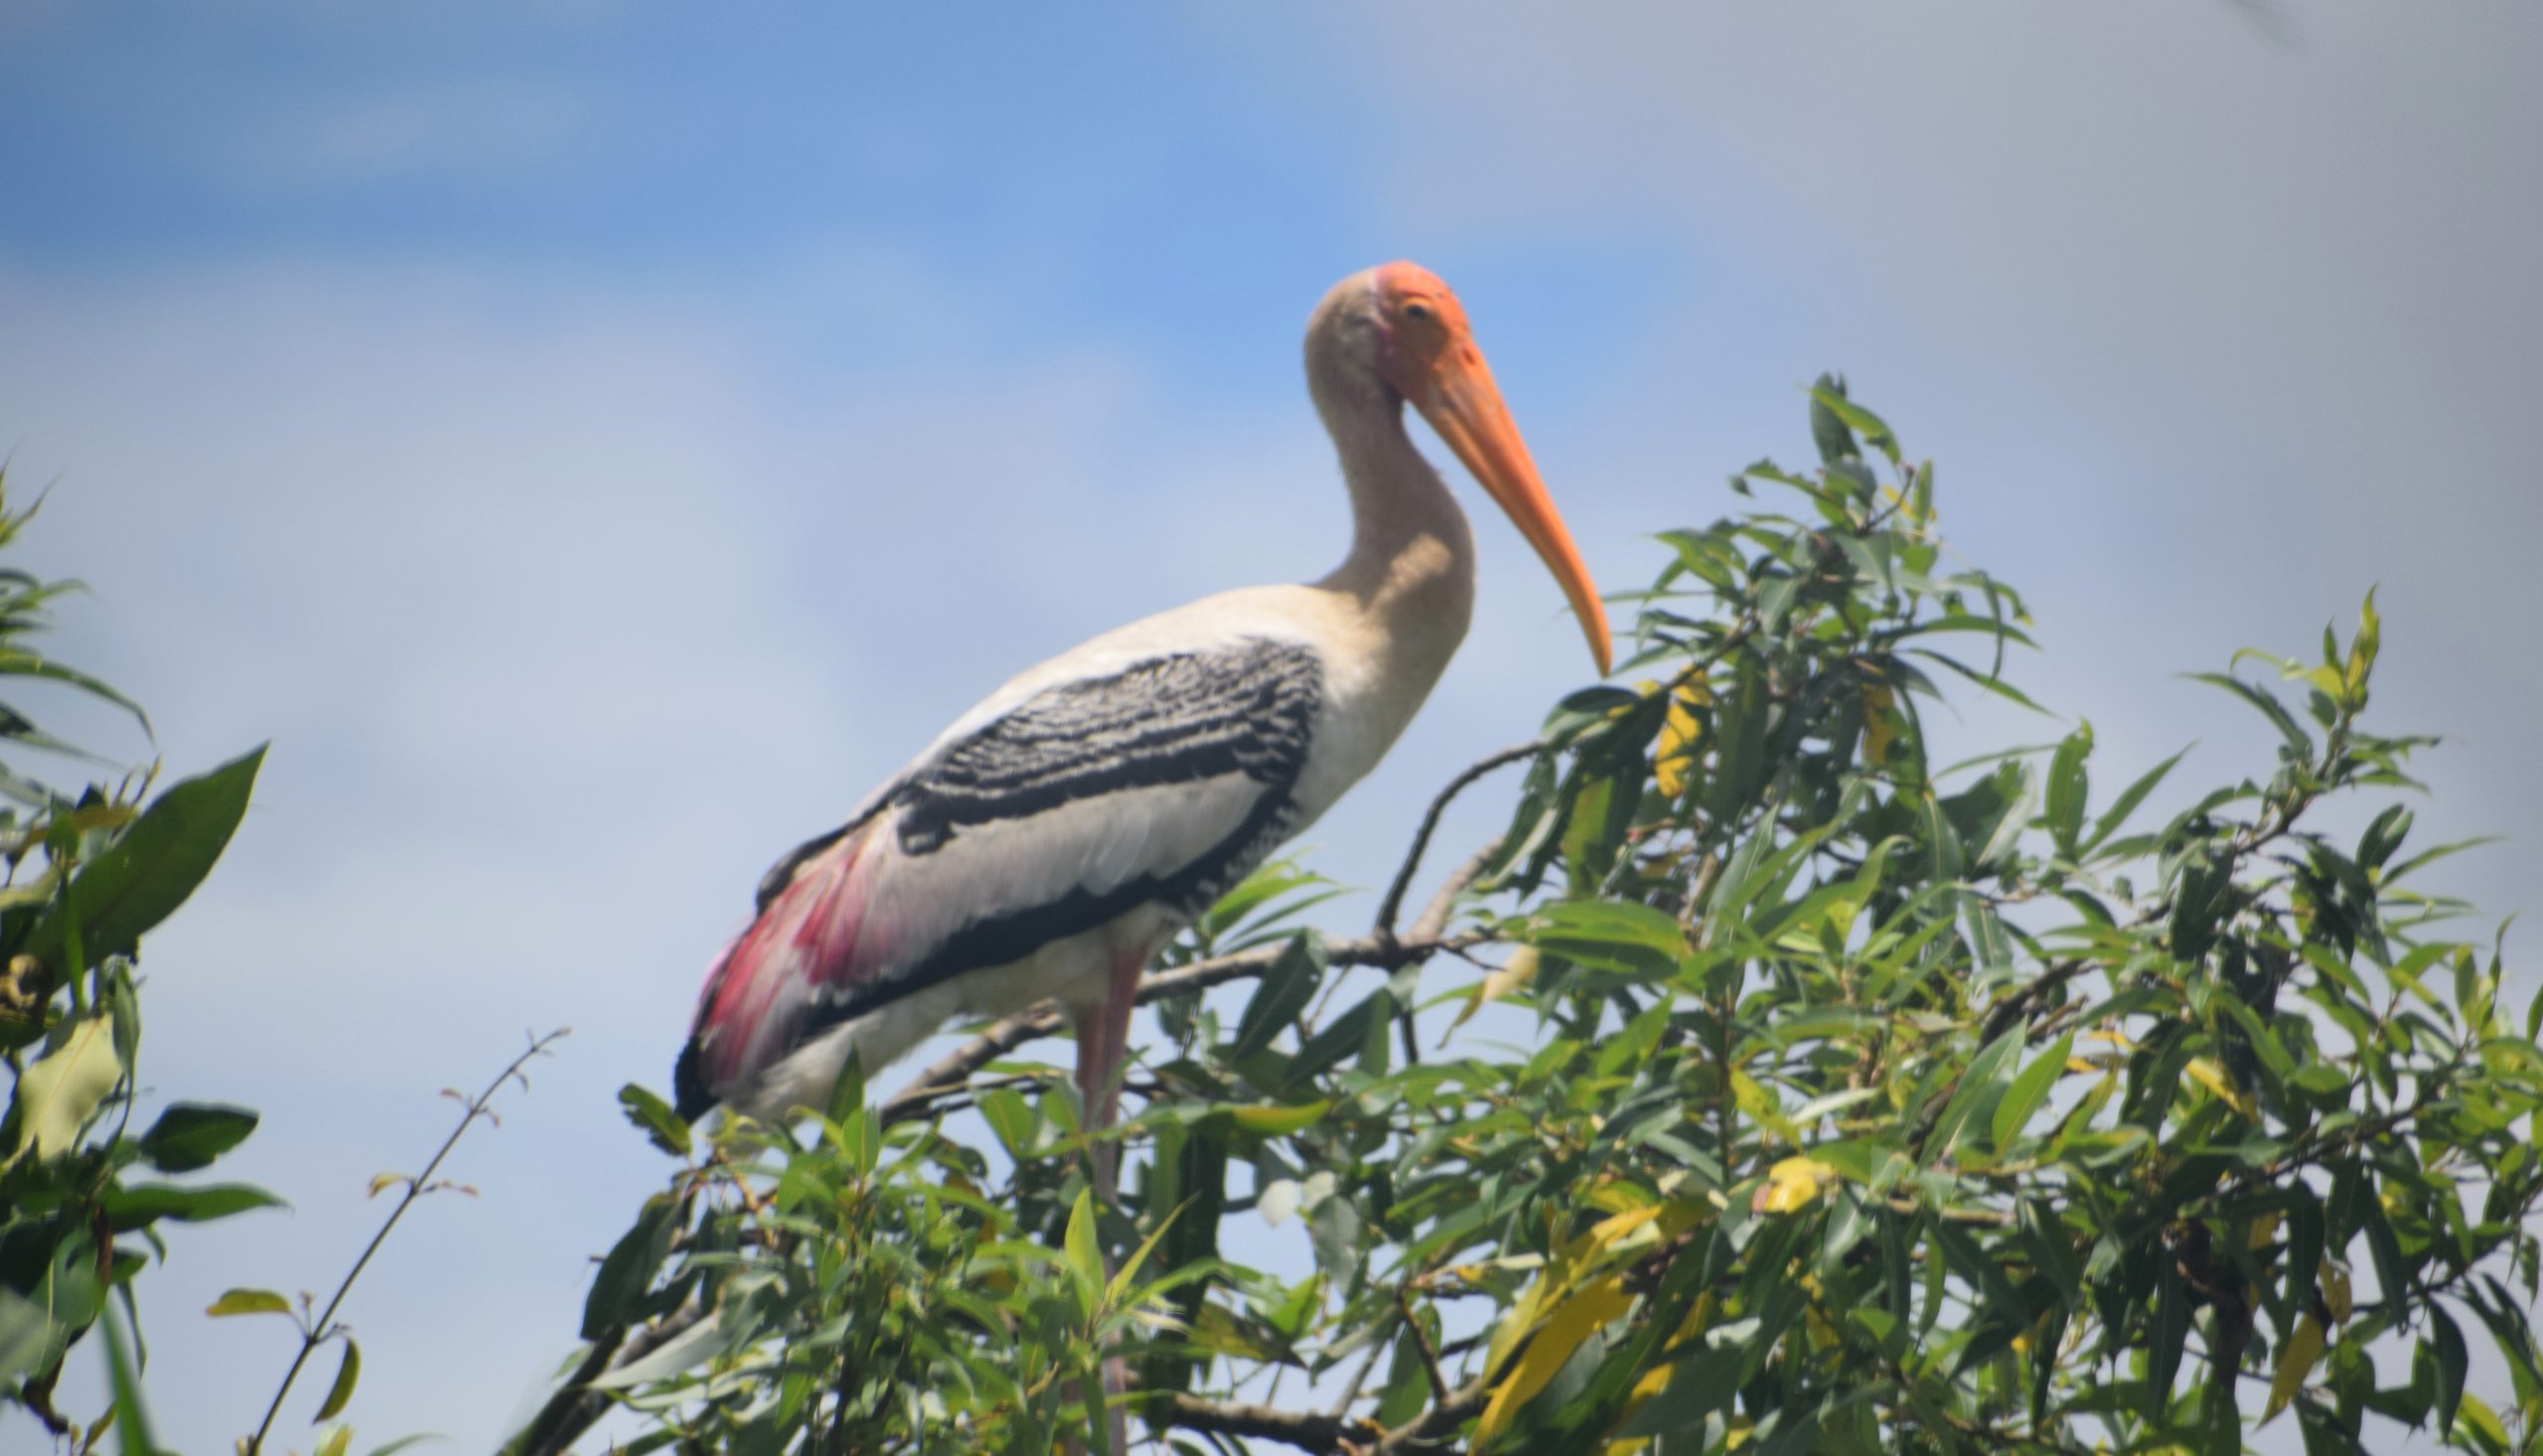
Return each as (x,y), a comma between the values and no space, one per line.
(137,1205)
(132,1416)
(1827,427)
(1830,397)
(1011,1117)
(2169,1332)
(1276,1119)
(1600,813)
(57,1095)
(339,1394)
(1285,992)
(1086,1258)
(189,1135)
(1987,680)
(2299,742)
(18,662)
(627,1272)
(2115,816)
(2446,1344)
(2069,786)
(2029,1091)
(2199,901)
(1580,928)
(1339,1038)
(2392,1277)
(152,867)
(1983,1079)
(248,1302)
(2304,1227)
(30,1339)
(1335,1229)
(649,1115)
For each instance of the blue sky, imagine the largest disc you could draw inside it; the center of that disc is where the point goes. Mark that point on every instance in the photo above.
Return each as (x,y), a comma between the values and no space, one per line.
(595,444)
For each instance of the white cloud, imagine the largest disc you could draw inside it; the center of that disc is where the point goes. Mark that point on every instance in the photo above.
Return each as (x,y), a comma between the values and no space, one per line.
(467,128)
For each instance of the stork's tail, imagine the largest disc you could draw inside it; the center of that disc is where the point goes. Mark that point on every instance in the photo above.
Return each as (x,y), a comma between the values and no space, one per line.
(689,1084)
(753,1009)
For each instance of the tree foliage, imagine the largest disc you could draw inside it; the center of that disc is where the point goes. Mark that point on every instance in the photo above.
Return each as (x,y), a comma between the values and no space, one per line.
(83,1193)
(1865,1102)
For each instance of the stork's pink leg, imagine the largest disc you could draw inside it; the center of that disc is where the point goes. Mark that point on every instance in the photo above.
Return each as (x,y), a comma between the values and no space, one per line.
(1102,1041)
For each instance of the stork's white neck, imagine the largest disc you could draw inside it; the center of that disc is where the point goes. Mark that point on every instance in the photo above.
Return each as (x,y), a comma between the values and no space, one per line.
(1410,574)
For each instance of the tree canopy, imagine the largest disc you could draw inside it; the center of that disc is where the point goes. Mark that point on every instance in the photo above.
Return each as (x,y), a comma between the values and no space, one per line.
(1766,1085)
(1859,1101)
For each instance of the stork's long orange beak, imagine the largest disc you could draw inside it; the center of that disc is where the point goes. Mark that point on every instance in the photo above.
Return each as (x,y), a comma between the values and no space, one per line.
(1464,405)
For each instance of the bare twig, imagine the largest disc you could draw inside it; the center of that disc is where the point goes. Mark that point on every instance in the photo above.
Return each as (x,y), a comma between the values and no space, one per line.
(1436,1425)
(1433,921)
(319,1330)
(1393,905)
(1305,1429)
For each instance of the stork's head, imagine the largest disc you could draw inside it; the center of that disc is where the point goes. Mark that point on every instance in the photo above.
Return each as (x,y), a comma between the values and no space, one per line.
(1406,334)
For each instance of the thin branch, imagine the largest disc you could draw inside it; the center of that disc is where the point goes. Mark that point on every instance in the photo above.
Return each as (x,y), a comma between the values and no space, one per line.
(1434,916)
(1326,1435)
(1436,1425)
(320,1330)
(2035,991)
(1393,905)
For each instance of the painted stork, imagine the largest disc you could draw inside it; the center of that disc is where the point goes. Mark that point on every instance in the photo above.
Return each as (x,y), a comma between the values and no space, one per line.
(1051,839)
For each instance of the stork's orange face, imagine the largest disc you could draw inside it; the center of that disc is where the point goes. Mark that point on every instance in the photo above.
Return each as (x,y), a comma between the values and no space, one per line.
(1427,354)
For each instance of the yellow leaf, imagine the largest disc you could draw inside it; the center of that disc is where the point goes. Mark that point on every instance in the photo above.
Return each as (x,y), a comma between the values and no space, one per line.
(1760,1106)
(248,1302)
(1674,755)
(1607,1231)
(2476,1414)
(1566,1326)
(2208,1075)
(1653,1382)
(2336,1291)
(381,1182)
(1513,973)
(57,1095)
(2264,1228)
(2296,1360)
(1881,726)
(1791,1185)
(1275,1118)
(1697,1320)
(1616,1195)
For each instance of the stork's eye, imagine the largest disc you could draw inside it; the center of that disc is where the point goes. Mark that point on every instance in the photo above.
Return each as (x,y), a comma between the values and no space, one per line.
(1417,310)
